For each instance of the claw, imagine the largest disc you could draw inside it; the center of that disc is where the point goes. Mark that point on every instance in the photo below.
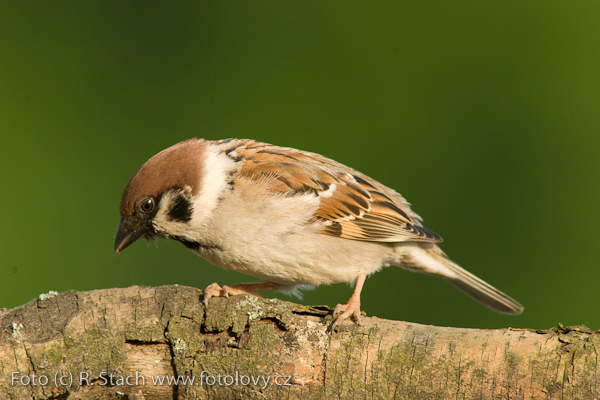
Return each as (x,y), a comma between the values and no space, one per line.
(352,307)
(214,290)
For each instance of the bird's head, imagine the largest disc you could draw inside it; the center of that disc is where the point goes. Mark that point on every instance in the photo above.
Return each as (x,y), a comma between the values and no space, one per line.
(158,200)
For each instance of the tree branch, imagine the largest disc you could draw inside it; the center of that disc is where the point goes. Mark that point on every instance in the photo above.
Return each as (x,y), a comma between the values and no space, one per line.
(131,343)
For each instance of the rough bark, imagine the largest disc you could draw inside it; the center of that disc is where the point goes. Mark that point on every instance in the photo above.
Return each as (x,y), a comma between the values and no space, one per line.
(111,344)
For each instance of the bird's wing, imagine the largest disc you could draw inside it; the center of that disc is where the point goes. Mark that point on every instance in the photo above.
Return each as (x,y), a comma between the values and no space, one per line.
(352,205)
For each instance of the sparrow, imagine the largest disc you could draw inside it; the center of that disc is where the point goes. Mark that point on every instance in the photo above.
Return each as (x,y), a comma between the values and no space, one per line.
(286,217)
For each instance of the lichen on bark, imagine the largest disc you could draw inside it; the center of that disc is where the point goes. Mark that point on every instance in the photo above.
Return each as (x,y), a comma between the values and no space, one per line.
(246,347)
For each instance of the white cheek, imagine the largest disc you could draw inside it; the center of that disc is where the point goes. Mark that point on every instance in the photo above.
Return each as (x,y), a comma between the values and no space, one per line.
(164,224)
(217,167)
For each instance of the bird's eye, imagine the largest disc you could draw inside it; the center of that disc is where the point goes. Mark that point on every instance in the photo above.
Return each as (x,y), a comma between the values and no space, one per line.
(147,205)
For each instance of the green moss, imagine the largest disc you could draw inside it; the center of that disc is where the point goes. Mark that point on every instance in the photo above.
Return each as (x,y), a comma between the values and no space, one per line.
(346,376)
(409,369)
(236,312)
(585,366)
(263,343)
(48,355)
(512,362)
(575,353)
(244,337)
(186,339)
(264,339)
(95,351)
(153,332)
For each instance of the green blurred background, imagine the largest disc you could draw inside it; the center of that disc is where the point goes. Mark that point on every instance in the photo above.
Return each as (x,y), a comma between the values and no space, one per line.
(484,115)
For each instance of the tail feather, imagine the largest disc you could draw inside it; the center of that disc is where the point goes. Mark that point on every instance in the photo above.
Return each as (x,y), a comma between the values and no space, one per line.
(478,289)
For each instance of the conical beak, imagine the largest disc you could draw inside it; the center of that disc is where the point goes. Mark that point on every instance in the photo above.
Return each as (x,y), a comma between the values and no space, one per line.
(130,229)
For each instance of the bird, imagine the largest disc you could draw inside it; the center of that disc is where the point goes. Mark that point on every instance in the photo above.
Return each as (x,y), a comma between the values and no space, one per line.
(288,217)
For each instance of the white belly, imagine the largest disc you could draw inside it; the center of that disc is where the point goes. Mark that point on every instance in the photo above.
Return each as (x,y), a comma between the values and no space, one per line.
(273,241)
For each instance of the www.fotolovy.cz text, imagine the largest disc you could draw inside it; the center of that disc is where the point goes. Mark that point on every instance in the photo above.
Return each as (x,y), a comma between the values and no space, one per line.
(137,379)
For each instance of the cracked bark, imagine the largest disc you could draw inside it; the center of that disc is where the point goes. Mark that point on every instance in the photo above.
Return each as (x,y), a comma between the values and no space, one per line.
(111,344)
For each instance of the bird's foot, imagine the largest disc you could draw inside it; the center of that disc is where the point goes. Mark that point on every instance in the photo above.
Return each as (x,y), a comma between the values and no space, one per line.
(350,309)
(214,290)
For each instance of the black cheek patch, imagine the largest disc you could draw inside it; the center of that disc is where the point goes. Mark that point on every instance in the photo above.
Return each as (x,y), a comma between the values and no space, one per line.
(181,210)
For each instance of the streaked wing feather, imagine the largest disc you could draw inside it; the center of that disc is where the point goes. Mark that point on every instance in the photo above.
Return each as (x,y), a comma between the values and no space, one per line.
(355,208)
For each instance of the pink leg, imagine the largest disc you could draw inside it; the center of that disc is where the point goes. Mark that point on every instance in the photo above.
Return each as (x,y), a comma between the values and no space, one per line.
(352,307)
(214,290)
